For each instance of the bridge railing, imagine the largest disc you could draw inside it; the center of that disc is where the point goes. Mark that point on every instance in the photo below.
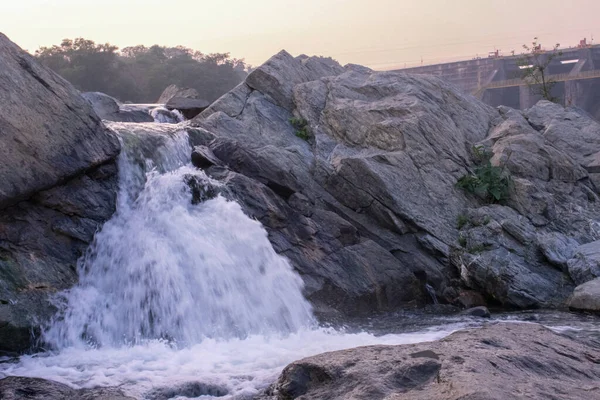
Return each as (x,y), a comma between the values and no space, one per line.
(556,78)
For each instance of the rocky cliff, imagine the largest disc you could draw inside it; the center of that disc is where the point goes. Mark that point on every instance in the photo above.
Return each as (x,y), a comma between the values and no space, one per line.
(58,180)
(353,173)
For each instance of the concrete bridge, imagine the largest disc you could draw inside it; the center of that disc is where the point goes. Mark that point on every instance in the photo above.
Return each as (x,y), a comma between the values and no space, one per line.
(497,80)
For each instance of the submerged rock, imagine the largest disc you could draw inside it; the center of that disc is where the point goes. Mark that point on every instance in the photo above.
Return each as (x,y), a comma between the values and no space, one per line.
(471,364)
(21,388)
(58,184)
(480,311)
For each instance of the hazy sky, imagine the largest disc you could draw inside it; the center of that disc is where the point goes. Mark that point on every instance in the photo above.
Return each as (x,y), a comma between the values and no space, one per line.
(378,33)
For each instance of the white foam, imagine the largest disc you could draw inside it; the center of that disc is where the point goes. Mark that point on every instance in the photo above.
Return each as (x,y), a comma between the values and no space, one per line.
(243,366)
(203,276)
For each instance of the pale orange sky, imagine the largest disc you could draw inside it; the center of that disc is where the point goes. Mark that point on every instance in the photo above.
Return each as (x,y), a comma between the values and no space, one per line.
(381,34)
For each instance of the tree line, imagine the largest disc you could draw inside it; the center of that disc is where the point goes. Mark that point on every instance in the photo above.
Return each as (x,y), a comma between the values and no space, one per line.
(139,74)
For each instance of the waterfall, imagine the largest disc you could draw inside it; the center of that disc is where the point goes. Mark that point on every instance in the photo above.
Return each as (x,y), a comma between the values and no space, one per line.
(173,295)
(163,268)
(431,292)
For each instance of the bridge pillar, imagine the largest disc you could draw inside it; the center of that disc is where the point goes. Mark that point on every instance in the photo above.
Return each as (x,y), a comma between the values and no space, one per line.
(574,93)
(526,98)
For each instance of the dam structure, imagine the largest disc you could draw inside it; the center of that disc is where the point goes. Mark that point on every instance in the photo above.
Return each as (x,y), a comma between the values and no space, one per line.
(497,80)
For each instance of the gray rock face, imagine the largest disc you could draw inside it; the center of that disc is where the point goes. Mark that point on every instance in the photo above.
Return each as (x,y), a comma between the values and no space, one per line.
(108,108)
(58,185)
(468,365)
(376,165)
(18,388)
(586,297)
(175,91)
(203,157)
(585,265)
(49,133)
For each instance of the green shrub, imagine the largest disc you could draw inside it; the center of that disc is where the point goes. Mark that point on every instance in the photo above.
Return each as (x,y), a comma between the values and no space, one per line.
(461,221)
(490,182)
(480,248)
(301,127)
(462,241)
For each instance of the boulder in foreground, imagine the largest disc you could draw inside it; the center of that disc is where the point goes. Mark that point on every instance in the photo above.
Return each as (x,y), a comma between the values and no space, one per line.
(496,362)
(58,184)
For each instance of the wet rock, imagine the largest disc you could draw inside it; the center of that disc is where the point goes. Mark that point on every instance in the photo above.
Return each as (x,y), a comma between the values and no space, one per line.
(108,108)
(187,390)
(188,107)
(586,297)
(203,157)
(585,265)
(481,311)
(21,388)
(470,299)
(201,189)
(532,358)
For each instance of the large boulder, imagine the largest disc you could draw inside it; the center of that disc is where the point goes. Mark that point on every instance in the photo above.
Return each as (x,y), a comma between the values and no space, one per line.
(474,364)
(58,185)
(108,108)
(359,160)
(49,133)
(586,297)
(176,91)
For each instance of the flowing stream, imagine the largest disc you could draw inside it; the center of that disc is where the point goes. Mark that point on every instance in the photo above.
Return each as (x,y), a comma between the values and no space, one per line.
(172,293)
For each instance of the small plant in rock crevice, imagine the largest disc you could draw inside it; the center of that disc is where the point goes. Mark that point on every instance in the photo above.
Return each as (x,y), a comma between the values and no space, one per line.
(490,182)
(461,221)
(301,126)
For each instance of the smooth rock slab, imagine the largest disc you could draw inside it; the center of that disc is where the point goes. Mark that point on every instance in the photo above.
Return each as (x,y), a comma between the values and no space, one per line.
(496,362)
(586,297)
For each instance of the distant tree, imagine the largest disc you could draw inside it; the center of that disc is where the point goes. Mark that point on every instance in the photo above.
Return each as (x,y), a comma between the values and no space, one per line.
(140,73)
(534,64)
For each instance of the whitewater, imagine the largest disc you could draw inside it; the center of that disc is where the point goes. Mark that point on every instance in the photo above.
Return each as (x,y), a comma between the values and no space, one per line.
(172,293)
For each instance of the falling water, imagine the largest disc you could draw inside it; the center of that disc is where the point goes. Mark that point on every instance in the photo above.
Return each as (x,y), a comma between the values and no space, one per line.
(171,292)
(431,292)
(165,268)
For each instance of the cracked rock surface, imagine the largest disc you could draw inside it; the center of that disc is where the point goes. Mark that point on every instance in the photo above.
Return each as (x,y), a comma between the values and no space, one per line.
(58,183)
(364,202)
(496,362)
